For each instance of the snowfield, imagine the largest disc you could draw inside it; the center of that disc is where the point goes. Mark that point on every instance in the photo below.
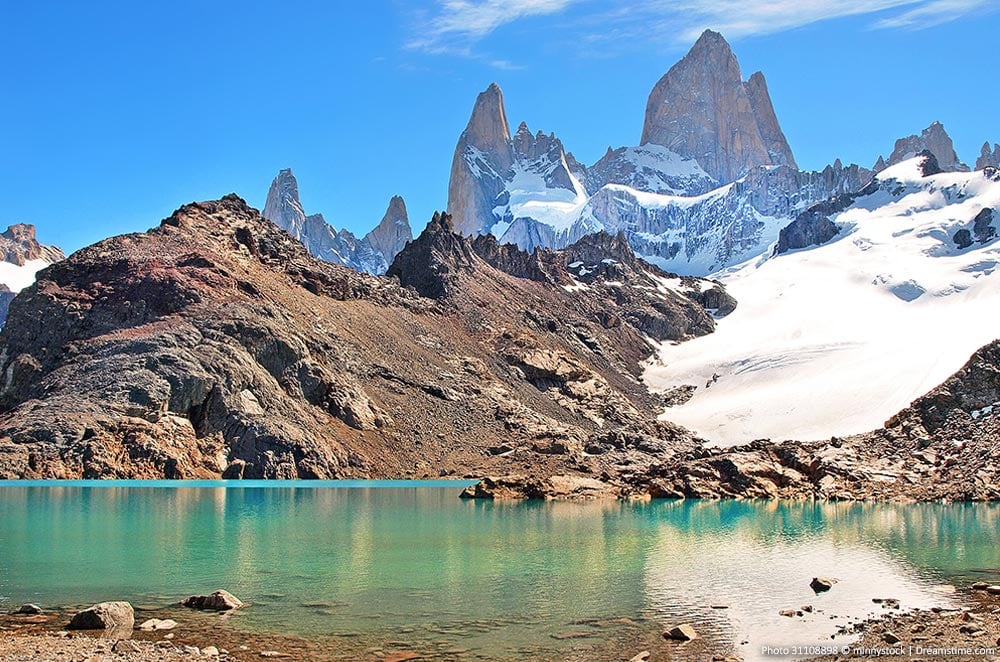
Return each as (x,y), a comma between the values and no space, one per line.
(17,277)
(835,339)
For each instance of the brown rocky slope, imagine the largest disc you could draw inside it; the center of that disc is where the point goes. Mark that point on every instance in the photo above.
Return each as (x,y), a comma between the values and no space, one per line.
(215,345)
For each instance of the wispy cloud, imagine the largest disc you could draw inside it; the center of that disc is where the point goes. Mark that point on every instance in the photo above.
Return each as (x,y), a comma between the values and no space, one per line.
(505,65)
(459,23)
(456,26)
(935,13)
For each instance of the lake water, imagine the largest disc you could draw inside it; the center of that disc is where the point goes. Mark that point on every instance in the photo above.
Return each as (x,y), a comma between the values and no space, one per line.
(382,561)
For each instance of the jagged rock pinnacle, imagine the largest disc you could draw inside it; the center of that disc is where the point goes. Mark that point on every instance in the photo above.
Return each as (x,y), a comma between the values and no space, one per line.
(483,156)
(988,158)
(283,207)
(702,109)
(934,139)
(393,231)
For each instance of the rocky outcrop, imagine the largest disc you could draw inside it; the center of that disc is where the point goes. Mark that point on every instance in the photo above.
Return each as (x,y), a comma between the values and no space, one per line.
(701,109)
(934,139)
(431,263)
(982,226)
(370,254)
(988,158)
(811,228)
(560,487)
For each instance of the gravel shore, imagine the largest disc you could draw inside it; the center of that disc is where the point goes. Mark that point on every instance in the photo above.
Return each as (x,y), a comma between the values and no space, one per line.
(970,634)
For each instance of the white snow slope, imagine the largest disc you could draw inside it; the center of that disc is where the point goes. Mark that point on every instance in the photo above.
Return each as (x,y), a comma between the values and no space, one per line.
(835,339)
(17,277)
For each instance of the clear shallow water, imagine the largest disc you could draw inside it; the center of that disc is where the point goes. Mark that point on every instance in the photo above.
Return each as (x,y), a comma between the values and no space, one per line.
(385,561)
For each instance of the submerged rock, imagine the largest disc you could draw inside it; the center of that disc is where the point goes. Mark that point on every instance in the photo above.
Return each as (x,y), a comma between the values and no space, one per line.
(218,601)
(157,624)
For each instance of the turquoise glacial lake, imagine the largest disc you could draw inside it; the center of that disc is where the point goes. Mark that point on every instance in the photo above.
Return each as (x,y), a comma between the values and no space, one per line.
(372,560)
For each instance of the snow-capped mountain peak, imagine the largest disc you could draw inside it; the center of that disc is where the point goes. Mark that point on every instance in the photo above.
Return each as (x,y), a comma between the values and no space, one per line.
(674,196)
(21,258)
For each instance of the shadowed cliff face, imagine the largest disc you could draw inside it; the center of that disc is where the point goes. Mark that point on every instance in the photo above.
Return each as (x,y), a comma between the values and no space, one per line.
(216,345)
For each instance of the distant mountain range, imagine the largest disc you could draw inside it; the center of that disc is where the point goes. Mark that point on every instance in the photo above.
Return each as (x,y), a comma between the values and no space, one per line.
(371,254)
(710,185)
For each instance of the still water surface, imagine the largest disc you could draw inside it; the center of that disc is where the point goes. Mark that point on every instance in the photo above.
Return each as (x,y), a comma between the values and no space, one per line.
(372,559)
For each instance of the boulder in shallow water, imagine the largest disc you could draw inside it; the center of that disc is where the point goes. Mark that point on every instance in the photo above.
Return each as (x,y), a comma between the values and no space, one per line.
(820,584)
(104,616)
(29,610)
(683,632)
(217,601)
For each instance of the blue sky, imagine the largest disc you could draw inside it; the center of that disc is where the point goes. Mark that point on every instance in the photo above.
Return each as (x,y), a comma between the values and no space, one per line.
(115,113)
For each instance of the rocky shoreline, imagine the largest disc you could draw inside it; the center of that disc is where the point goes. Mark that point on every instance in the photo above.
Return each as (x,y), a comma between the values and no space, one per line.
(969,632)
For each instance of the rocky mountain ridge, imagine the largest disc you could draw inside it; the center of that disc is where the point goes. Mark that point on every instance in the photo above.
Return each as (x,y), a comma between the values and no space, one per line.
(216,345)
(371,254)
